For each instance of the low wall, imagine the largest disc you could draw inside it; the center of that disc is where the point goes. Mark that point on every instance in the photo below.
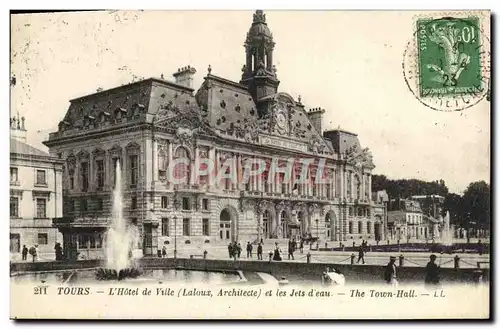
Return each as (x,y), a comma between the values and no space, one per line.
(53,265)
(312,271)
(291,270)
(414,247)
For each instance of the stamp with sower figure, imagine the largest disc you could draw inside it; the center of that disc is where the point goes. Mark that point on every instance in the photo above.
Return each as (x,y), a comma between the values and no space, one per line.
(447,64)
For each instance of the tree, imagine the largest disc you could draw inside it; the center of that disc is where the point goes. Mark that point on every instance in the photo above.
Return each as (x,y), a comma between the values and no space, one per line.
(476,202)
(454,204)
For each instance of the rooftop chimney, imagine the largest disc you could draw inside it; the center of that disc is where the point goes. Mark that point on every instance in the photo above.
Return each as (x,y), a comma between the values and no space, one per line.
(184,76)
(316,117)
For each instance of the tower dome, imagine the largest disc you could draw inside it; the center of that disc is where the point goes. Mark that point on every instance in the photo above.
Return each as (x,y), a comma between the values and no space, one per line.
(259,73)
(259,29)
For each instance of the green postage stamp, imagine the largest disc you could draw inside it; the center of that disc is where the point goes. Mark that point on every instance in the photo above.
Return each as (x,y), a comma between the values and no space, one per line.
(449,56)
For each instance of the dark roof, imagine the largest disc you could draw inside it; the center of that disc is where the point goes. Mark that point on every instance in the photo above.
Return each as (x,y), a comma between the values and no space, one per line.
(18,147)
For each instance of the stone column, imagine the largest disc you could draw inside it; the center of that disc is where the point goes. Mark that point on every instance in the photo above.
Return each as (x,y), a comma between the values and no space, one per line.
(239,174)
(342,185)
(211,160)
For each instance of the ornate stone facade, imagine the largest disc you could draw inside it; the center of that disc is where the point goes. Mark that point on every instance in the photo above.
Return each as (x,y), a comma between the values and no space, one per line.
(150,124)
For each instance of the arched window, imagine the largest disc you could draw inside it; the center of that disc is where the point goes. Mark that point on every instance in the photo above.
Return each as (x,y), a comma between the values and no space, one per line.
(182,169)
(162,164)
(266,223)
(284,224)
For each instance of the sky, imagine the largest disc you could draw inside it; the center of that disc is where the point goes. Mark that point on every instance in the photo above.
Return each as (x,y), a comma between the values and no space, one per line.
(349,63)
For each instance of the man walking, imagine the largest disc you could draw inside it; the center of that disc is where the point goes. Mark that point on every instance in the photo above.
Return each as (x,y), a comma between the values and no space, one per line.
(390,272)
(249,250)
(259,251)
(361,254)
(291,249)
(25,252)
(432,272)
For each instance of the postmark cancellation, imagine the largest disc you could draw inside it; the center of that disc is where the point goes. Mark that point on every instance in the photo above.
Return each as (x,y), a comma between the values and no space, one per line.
(447,62)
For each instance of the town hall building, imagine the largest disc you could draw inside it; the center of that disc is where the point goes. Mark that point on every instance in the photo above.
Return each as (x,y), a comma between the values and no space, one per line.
(147,125)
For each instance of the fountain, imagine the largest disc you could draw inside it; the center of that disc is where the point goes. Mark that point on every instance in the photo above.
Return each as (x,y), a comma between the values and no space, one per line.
(120,240)
(446,233)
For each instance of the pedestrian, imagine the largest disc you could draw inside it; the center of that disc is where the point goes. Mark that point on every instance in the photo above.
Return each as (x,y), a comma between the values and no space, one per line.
(325,278)
(390,272)
(238,250)
(25,252)
(259,251)
(432,272)
(277,253)
(361,254)
(301,246)
(58,251)
(32,252)
(249,249)
(230,250)
(291,249)
(164,252)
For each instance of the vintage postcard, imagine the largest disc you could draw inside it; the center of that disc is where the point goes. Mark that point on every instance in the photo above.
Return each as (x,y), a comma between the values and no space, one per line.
(259,164)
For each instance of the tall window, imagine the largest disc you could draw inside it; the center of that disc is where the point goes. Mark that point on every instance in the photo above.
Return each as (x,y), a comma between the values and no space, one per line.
(265,223)
(165,229)
(43,238)
(350,227)
(134,170)
(186,204)
(71,171)
(14,178)
(205,204)
(83,205)
(162,164)
(40,177)
(369,227)
(182,170)
(206,226)
(41,206)
(186,227)
(100,173)
(164,202)
(99,204)
(14,206)
(133,203)
(360,227)
(84,170)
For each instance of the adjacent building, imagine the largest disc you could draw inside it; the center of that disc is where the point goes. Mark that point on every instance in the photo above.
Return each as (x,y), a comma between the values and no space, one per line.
(406,222)
(151,126)
(35,195)
(432,209)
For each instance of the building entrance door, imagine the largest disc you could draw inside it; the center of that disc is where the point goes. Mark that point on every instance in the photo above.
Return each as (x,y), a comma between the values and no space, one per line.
(15,242)
(225,226)
(378,235)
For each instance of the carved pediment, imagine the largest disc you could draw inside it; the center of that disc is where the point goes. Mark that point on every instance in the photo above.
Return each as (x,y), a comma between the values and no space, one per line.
(359,157)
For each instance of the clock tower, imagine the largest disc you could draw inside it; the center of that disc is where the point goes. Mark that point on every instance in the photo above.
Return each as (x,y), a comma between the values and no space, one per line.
(259,73)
